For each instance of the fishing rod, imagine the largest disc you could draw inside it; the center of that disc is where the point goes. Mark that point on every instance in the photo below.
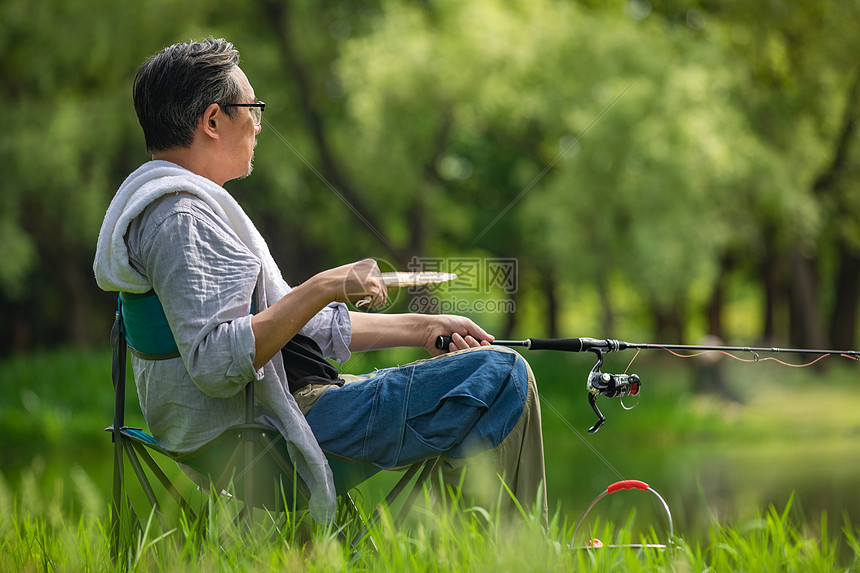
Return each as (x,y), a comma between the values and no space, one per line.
(621,385)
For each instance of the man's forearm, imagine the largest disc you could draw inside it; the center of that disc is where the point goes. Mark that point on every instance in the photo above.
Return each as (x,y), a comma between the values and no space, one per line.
(376,331)
(276,325)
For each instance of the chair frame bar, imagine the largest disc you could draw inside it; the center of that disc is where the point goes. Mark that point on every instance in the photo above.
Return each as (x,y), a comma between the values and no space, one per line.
(119,357)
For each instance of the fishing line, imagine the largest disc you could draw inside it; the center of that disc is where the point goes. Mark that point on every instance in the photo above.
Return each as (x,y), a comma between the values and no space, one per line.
(756,357)
(581,438)
(629,364)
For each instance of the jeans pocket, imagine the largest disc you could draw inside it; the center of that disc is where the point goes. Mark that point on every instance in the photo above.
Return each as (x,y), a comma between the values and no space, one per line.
(446,425)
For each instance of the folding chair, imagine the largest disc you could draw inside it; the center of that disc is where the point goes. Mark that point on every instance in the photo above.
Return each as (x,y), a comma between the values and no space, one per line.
(252,461)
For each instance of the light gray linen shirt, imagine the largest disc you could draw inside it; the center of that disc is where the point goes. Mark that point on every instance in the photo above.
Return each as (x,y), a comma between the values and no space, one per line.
(205,278)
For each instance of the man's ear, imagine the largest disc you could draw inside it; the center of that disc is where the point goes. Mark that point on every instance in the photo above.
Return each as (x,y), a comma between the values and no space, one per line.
(210,122)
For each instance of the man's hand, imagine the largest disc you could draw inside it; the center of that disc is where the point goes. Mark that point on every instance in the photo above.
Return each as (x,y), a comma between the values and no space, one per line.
(463,332)
(355,281)
(376,331)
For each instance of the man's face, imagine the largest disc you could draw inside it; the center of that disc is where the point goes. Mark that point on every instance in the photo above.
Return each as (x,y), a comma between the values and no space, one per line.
(243,131)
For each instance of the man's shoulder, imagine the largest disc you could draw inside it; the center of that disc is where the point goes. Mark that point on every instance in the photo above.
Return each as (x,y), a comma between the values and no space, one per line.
(175,203)
(181,206)
(177,209)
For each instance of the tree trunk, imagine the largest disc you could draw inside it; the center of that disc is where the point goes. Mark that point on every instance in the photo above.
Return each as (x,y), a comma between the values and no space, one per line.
(510,326)
(843,319)
(714,310)
(668,324)
(606,305)
(805,329)
(550,289)
(773,295)
(78,307)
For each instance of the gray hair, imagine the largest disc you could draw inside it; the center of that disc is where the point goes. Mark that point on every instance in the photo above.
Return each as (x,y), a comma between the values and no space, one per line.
(173,88)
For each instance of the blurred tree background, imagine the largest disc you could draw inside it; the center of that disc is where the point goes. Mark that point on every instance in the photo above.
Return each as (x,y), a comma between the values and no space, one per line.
(659,169)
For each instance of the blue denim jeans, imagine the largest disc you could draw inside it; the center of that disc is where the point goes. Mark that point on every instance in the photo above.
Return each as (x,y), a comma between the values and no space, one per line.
(453,405)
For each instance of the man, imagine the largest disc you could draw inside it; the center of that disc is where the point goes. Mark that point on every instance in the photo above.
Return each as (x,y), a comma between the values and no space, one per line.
(173,232)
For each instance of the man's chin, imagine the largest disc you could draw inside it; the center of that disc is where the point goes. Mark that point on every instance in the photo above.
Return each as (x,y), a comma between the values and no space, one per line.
(250,170)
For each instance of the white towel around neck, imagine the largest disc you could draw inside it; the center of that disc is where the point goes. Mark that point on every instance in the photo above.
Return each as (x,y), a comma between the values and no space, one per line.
(148,183)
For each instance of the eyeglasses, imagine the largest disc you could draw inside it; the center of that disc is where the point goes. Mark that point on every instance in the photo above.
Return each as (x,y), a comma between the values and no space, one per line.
(256,109)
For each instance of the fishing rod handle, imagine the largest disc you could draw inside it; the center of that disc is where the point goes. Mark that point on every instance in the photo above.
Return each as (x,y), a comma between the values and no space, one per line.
(442,342)
(565,344)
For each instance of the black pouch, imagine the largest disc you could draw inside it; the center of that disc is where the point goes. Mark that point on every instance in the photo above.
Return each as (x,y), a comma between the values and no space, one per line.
(305,364)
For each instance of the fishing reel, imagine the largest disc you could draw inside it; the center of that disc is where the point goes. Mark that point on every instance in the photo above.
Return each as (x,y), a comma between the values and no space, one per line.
(609,385)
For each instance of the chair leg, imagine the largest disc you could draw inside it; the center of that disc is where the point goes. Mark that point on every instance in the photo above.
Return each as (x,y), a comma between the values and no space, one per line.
(121,503)
(165,482)
(144,482)
(429,467)
(402,483)
(351,508)
(118,478)
(141,476)
(249,479)
(285,465)
(224,479)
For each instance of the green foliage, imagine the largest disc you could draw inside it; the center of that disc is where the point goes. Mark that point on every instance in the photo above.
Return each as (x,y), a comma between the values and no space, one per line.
(601,146)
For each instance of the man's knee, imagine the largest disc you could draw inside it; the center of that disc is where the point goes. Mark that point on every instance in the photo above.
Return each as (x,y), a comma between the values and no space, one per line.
(519,379)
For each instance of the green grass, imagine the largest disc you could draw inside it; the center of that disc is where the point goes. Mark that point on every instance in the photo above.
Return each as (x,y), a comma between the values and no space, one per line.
(44,534)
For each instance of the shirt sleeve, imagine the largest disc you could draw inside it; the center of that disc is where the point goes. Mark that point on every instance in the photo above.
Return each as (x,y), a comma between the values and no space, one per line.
(205,278)
(331,328)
